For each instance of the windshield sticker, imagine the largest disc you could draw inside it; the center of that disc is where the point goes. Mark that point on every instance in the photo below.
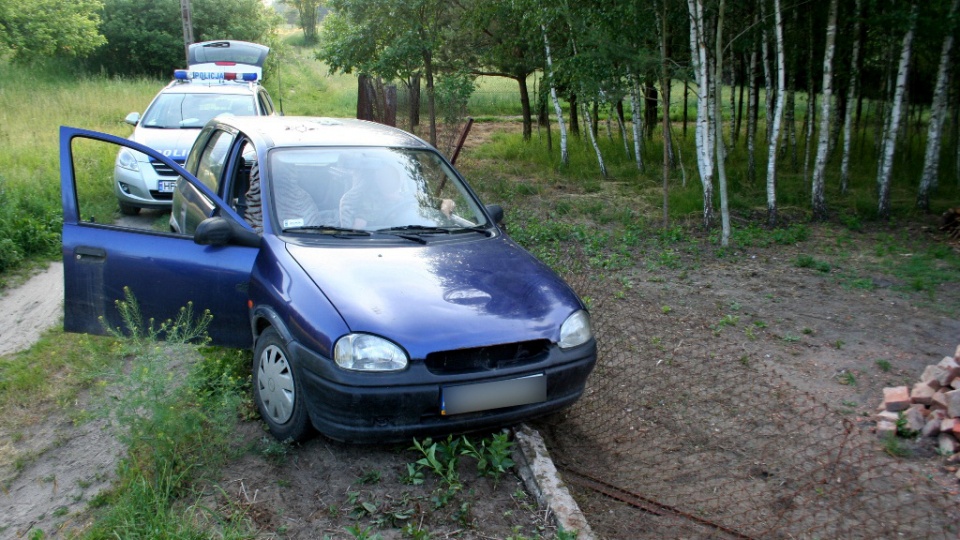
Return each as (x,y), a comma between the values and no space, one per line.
(290,223)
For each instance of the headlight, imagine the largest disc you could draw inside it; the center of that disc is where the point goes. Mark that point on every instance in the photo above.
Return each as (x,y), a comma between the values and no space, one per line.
(126,159)
(575,330)
(364,352)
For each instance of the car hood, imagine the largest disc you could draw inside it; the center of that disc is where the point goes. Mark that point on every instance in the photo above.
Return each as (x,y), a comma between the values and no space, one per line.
(442,296)
(173,143)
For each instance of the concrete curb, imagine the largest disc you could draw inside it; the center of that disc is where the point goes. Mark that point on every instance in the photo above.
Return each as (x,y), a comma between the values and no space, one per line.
(541,478)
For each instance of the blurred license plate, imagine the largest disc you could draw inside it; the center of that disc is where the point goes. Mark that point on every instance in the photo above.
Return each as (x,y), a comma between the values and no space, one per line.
(493,395)
(166,186)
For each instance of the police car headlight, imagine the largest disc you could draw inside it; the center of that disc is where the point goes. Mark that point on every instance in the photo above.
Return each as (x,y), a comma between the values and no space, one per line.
(126,159)
(364,352)
(575,331)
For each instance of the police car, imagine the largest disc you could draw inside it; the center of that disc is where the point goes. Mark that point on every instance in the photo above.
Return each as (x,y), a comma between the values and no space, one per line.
(223,78)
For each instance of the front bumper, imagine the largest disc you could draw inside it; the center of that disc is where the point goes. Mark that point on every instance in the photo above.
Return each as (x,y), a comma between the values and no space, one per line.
(143,188)
(368,407)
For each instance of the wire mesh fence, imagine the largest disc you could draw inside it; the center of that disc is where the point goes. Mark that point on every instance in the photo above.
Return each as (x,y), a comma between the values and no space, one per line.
(678,436)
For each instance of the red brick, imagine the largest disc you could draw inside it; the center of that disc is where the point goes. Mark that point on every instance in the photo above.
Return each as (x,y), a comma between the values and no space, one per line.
(952,368)
(886,428)
(896,398)
(948,443)
(931,376)
(932,427)
(922,393)
(953,403)
(939,400)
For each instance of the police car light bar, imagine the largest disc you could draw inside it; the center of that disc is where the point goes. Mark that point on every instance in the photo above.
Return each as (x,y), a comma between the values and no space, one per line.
(188,75)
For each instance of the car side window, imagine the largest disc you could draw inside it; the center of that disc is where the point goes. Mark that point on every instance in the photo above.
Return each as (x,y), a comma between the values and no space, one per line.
(213,159)
(266,105)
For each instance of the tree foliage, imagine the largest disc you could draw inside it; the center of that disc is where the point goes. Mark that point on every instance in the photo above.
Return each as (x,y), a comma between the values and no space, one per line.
(146,38)
(32,29)
(307,11)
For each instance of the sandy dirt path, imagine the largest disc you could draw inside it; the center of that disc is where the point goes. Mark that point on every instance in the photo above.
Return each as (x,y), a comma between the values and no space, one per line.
(30,309)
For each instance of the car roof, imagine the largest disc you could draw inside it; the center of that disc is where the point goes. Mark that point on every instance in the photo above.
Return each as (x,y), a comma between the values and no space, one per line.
(291,131)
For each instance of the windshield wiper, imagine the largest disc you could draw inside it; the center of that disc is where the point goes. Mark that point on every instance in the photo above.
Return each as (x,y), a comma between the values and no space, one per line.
(329,229)
(416,229)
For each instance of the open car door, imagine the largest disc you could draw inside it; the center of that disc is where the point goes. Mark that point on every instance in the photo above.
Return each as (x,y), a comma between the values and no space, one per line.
(105,255)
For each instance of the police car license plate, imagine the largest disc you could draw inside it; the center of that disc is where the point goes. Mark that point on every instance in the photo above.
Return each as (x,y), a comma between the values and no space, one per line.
(166,186)
(493,395)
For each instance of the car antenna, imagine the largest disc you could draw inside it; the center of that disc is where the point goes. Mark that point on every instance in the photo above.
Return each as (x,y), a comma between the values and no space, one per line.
(280,85)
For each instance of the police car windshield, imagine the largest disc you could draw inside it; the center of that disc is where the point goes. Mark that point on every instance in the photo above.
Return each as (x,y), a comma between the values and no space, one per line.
(191,111)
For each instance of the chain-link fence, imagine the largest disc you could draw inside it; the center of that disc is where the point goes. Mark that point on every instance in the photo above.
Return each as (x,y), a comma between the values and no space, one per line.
(682,437)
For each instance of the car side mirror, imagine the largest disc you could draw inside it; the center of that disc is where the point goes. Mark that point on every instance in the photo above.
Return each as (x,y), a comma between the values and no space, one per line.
(132,118)
(496,212)
(220,231)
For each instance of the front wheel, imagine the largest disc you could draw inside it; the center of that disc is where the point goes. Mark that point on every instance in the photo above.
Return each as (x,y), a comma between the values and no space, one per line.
(277,391)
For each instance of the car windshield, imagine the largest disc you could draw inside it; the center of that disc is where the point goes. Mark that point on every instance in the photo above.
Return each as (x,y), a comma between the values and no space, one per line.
(174,111)
(388,190)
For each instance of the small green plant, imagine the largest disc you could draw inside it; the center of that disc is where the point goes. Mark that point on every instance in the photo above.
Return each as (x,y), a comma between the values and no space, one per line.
(275,451)
(883,365)
(369,477)
(903,430)
(413,530)
(363,533)
(760,324)
(413,475)
(729,320)
(807,331)
(790,338)
(839,344)
(895,446)
(493,455)
(441,458)
(847,378)
(666,309)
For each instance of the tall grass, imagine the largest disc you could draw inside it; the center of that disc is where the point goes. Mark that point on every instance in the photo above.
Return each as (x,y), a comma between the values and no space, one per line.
(34,102)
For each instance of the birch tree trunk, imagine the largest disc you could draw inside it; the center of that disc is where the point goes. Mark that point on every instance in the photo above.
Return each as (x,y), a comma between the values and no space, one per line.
(718,128)
(752,101)
(564,152)
(893,127)
(819,204)
(704,141)
(637,119)
(593,139)
(938,109)
(777,116)
(767,70)
(851,98)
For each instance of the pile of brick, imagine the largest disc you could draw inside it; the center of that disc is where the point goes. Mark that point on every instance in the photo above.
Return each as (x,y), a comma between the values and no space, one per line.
(931,408)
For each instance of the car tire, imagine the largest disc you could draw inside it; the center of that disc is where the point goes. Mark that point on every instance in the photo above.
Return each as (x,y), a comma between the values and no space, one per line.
(129,209)
(277,391)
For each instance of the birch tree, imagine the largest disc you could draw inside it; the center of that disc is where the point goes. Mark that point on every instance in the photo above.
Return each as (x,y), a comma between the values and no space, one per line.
(703,136)
(893,125)
(851,98)
(564,152)
(819,205)
(718,130)
(767,69)
(752,102)
(777,116)
(938,109)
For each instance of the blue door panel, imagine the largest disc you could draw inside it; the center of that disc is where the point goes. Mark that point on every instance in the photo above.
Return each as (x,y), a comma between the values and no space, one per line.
(162,272)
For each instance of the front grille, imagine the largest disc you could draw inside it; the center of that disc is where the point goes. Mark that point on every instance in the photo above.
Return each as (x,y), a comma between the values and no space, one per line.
(487,358)
(162,169)
(161,196)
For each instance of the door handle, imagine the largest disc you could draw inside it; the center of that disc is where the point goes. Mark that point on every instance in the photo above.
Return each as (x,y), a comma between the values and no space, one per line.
(88,252)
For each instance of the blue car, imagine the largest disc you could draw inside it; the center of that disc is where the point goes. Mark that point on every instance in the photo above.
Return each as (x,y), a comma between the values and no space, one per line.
(381,299)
